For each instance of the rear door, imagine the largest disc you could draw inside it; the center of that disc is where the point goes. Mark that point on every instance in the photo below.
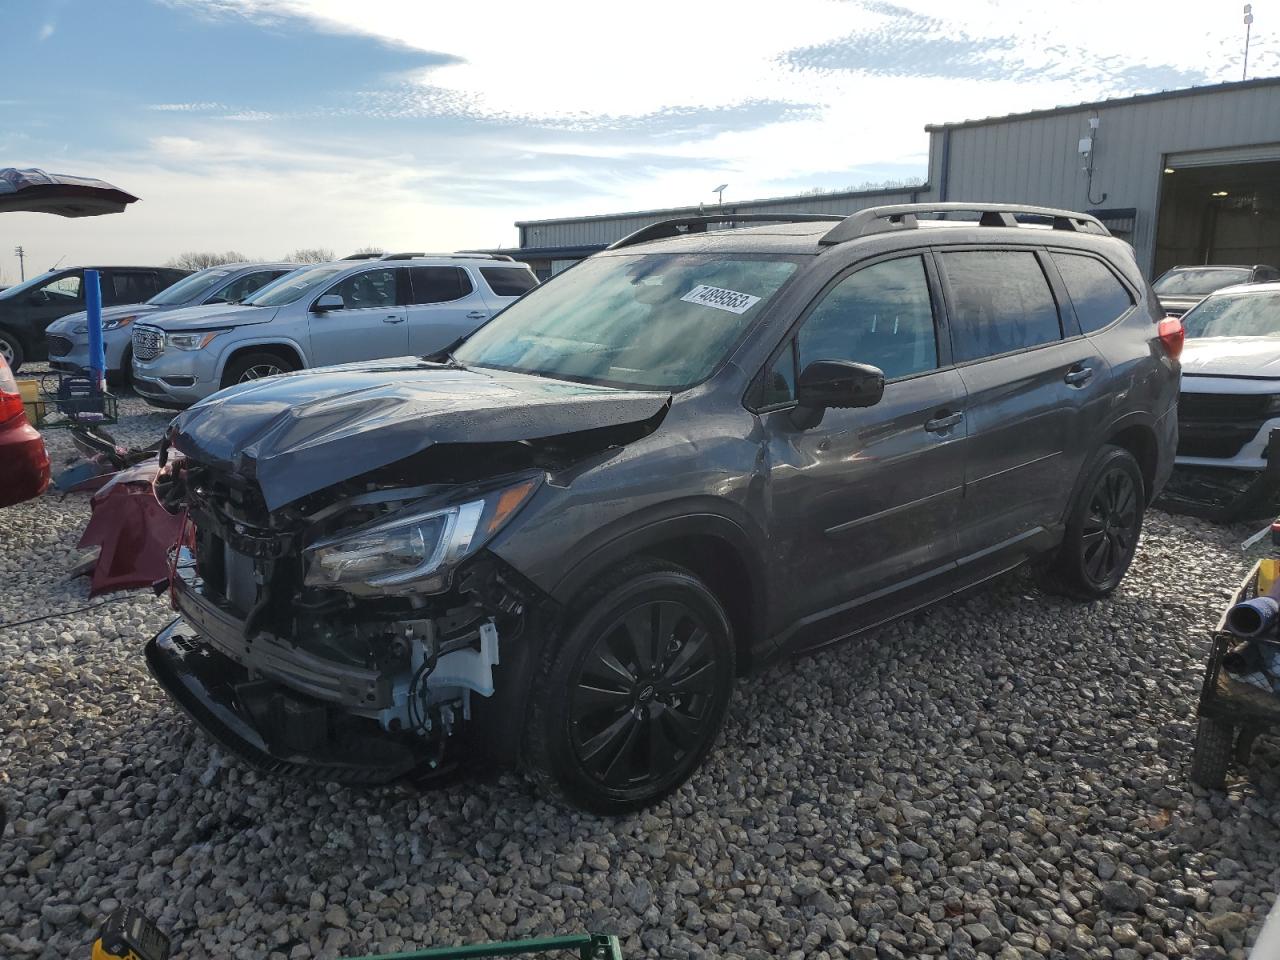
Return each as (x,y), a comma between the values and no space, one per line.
(370,325)
(1027,380)
(129,286)
(864,505)
(444,304)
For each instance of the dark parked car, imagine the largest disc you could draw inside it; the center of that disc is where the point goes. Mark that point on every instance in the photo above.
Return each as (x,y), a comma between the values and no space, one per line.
(28,308)
(558,543)
(1181,288)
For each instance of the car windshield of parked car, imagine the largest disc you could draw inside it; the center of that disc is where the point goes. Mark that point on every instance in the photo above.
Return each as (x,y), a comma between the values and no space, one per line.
(1200,281)
(190,288)
(655,321)
(294,286)
(1238,315)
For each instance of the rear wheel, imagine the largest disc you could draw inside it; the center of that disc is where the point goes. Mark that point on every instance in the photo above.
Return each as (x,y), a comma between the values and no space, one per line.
(632,697)
(255,366)
(1102,528)
(11,350)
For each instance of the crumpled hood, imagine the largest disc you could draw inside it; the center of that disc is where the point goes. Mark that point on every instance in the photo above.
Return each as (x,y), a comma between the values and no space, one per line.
(212,315)
(1232,357)
(301,432)
(67,325)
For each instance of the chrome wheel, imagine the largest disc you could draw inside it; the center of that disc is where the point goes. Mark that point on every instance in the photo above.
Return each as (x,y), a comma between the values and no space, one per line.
(642,696)
(6,351)
(260,370)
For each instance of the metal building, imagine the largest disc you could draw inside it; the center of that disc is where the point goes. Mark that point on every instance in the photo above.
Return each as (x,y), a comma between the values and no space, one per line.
(1186,176)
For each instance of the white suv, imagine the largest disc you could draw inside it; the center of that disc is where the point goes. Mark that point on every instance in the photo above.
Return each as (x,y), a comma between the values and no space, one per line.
(405,304)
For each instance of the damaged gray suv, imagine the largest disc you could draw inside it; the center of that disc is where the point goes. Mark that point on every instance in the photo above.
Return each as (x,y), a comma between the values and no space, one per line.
(555,545)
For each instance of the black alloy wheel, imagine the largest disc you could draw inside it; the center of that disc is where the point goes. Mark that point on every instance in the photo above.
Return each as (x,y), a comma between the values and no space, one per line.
(632,698)
(1111,528)
(642,695)
(1102,530)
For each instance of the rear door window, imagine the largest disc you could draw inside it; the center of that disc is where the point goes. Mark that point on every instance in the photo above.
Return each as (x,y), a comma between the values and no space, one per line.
(1000,302)
(133,286)
(1097,295)
(439,284)
(509,281)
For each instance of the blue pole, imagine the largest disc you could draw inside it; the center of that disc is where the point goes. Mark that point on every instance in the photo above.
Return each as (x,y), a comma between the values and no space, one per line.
(93,304)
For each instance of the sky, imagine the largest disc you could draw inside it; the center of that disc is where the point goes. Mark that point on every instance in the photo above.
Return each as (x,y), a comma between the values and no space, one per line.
(263,126)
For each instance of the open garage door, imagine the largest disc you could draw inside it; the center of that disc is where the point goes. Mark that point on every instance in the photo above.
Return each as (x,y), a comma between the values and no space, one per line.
(1220,206)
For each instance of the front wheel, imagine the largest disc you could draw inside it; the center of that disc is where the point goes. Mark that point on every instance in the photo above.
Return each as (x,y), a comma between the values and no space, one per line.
(11,350)
(255,366)
(632,697)
(1102,528)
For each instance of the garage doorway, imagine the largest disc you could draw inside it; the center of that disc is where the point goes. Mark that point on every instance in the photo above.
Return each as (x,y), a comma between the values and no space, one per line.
(1219,207)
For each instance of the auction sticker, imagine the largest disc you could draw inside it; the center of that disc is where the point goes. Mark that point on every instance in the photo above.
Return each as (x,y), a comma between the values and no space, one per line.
(721,298)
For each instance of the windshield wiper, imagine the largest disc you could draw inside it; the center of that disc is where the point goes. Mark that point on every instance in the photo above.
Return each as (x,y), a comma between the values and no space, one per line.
(445,355)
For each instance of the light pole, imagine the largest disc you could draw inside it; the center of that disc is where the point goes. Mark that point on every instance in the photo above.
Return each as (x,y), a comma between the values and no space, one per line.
(1248,28)
(719,192)
(22,268)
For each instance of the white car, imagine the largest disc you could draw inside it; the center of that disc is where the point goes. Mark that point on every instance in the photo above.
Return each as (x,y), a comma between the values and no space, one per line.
(1230,398)
(397,305)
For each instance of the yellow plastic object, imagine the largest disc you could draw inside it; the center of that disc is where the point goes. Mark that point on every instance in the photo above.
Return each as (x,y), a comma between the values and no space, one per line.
(29,390)
(101,953)
(1268,573)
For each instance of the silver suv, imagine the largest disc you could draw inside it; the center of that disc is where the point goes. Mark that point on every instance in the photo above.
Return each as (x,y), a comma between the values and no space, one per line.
(397,305)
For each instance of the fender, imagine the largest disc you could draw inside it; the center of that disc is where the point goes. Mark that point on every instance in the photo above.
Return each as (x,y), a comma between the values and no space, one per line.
(266,341)
(1134,418)
(687,517)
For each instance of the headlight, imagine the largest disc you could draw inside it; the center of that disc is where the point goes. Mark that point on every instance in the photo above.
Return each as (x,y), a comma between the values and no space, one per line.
(415,552)
(190,341)
(115,323)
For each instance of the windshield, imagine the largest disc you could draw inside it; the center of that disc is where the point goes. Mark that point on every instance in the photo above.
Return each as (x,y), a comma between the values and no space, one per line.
(293,286)
(647,321)
(1200,281)
(189,288)
(1238,315)
(25,285)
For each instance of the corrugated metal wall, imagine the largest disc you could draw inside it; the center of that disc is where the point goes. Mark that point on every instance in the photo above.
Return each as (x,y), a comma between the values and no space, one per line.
(604,230)
(1037,159)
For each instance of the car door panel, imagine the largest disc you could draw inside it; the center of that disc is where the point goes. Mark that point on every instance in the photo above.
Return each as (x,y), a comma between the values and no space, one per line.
(446,304)
(371,327)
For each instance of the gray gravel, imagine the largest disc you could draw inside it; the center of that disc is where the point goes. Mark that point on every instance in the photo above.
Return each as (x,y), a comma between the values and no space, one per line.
(1002,776)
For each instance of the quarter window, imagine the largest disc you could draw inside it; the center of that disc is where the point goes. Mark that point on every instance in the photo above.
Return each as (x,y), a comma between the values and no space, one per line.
(1099,298)
(1001,302)
(509,281)
(373,288)
(439,284)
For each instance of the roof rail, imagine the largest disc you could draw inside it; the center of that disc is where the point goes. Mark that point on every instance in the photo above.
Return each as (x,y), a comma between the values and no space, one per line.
(671,228)
(363,256)
(902,216)
(455,256)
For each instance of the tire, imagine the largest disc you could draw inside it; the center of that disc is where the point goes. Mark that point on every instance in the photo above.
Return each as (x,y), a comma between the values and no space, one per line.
(11,350)
(1103,528)
(608,735)
(1211,757)
(255,366)
(124,376)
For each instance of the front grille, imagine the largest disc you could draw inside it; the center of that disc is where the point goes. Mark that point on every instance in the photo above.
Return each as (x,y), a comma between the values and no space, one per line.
(59,346)
(148,343)
(1218,425)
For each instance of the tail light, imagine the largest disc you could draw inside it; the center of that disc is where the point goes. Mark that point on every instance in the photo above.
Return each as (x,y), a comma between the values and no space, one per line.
(10,398)
(1171,334)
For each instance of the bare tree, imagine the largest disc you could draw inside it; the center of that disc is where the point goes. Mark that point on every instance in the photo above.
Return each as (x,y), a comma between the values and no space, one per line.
(311,255)
(198,260)
(373,249)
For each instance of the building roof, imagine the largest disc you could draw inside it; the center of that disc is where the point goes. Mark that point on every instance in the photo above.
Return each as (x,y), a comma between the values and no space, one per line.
(1212,88)
(733,206)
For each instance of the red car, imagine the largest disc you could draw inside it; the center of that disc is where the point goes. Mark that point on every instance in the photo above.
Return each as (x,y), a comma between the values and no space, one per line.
(24,463)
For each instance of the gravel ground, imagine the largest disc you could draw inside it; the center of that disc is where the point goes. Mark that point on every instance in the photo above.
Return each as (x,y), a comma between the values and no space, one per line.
(1004,775)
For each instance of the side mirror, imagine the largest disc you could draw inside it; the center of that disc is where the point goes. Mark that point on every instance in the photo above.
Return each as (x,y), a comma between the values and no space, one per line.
(841,384)
(330,301)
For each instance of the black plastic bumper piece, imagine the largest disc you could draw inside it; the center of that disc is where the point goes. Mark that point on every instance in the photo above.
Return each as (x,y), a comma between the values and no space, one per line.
(219,696)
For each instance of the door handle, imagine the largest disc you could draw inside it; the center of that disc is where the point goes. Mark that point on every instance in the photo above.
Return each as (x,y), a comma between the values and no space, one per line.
(477,315)
(943,422)
(1078,375)
(393,318)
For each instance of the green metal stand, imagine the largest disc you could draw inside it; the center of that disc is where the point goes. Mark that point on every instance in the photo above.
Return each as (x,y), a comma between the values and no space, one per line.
(589,946)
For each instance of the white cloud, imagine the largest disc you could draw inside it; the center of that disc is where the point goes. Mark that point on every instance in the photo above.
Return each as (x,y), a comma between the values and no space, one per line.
(47,30)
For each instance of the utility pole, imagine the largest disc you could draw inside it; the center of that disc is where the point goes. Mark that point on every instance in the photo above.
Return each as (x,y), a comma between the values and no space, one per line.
(1248,28)
(22,269)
